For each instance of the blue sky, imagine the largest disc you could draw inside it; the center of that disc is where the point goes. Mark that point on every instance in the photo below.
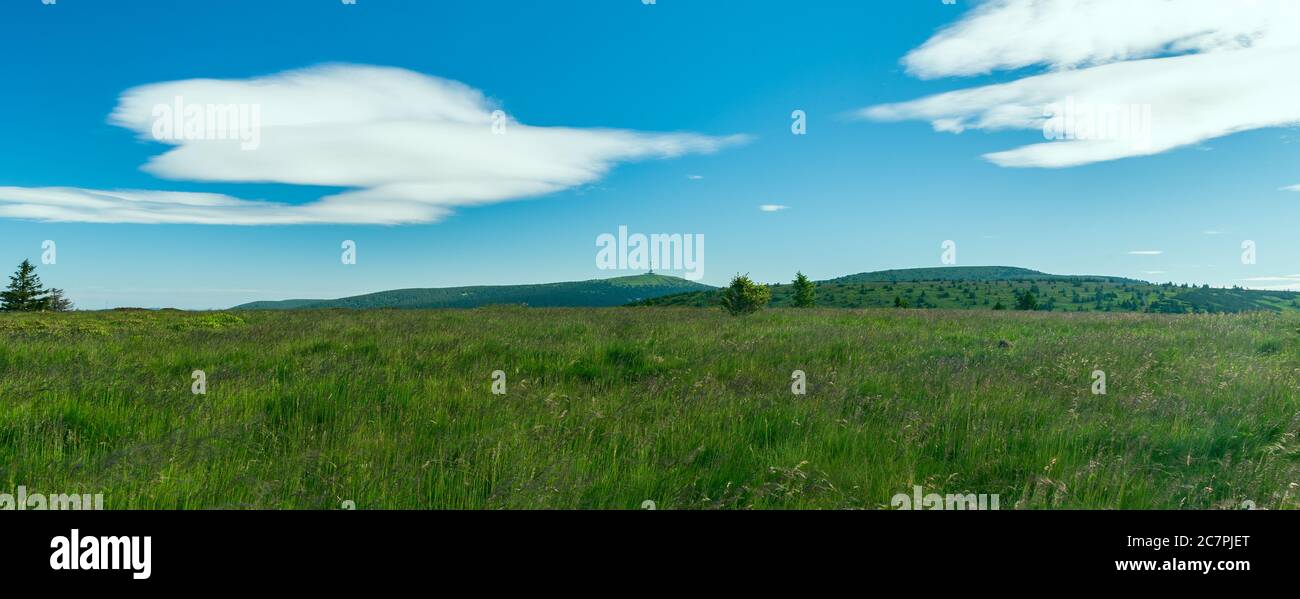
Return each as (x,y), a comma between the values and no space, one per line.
(863,190)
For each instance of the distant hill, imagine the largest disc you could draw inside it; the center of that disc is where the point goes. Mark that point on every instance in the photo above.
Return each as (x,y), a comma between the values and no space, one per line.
(993,287)
(957,287)
(599,292)
(966,273)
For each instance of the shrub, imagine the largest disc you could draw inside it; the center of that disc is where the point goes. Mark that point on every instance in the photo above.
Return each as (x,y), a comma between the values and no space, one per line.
(1026,301)
(1269,347)
(744,296)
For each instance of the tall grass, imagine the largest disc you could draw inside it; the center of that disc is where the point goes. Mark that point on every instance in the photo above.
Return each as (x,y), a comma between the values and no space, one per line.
(690,408)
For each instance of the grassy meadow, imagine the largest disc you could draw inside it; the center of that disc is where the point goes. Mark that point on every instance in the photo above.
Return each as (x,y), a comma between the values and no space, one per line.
(687,407)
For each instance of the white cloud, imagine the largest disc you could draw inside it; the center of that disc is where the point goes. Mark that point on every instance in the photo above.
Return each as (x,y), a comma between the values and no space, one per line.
(695,177)
(1281,283)
(773,207)
(1146,252)
(1291,188)
(70,204)
(407,147)
(1212,232)
(1206,68)
(1268,279)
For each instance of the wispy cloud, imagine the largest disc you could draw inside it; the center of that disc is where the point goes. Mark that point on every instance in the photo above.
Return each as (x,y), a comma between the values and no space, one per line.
(1146,252)
(1211,232)
(1268,279)
(1291,188)
(1279,283)
(773,207)
(407,148)
(695,177)
(1207,69)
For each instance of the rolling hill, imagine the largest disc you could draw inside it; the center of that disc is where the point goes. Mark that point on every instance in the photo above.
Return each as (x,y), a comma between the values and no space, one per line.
(595,293)
(998,287)
(966,273)
(954,287)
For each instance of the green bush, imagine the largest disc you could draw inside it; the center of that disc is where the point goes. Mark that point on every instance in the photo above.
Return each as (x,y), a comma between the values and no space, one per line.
(1026,301)
(744,296)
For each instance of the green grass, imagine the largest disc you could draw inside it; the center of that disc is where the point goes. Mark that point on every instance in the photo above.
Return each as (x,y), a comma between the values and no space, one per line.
(690,408)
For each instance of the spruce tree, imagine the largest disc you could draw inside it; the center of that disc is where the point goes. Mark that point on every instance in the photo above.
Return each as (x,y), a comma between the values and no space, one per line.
(24,293)
(805,293)
(1026,301)
(57,302)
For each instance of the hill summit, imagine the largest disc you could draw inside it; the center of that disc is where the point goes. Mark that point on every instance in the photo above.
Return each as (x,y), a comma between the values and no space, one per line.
(617,291)
(964,273)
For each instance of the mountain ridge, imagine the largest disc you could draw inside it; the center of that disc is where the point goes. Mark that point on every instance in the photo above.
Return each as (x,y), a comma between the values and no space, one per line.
(616,291)
(964,273)
(958,287)
(1002,287)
